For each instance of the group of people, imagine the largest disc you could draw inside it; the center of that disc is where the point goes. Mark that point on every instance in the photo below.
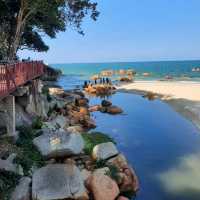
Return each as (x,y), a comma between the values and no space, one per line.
(101,81)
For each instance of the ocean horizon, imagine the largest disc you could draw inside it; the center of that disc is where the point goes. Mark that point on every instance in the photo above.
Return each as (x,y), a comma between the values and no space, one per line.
(180,70)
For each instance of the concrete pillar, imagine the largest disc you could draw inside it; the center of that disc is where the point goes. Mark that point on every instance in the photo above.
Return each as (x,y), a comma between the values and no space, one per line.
(8,108)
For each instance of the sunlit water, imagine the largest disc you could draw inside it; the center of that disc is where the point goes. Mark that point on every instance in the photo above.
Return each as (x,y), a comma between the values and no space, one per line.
(163,147)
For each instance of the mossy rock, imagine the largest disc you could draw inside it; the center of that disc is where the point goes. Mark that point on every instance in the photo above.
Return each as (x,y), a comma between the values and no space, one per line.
(94,138)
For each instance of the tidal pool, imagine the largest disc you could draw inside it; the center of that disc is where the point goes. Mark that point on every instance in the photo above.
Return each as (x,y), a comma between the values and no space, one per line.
(162,146)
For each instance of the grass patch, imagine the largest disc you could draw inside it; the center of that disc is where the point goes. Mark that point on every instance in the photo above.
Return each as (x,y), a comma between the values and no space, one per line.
(8,182)
(29,155)
(93,139)
(37,123)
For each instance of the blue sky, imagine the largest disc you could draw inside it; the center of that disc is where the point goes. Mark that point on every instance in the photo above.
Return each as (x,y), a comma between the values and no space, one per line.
(131,30)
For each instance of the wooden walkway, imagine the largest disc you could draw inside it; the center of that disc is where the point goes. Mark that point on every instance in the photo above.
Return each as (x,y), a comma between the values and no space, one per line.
(18,74)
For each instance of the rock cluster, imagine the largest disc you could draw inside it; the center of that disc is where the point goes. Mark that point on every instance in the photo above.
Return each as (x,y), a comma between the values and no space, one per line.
(69,172)
(106,107)
(100,89)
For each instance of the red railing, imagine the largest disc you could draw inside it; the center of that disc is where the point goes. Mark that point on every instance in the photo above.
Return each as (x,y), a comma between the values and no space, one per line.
(17,74)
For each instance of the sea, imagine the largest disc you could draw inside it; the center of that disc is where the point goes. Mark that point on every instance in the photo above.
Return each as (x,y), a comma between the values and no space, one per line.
(162,146)
(76,73)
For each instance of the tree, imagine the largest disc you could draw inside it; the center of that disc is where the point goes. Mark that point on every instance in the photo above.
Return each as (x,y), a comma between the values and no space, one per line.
(24,22)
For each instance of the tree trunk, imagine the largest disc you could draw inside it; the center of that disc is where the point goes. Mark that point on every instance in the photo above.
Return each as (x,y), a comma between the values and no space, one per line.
(18,33)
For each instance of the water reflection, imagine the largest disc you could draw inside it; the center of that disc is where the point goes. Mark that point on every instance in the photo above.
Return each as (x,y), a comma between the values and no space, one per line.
(184,177)
(154,138)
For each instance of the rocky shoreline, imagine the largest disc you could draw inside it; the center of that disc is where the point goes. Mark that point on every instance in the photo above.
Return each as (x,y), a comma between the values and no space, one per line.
(55,157)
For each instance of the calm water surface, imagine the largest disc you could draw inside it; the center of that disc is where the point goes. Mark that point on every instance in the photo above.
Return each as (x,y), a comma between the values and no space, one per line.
(163,147)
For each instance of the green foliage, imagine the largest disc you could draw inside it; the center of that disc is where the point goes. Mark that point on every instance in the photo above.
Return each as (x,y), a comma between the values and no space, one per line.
(8,181)
(23,23)
(29,155)
(100,164)
(37,123)
(93,139)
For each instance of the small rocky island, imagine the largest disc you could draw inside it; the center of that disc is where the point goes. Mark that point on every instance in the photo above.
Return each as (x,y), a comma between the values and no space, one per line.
(53,156)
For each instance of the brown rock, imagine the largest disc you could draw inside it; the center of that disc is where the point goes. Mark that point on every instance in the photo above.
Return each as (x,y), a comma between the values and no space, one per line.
(114,110)
(119,161)
(103,187)
(130,181)
(84,111)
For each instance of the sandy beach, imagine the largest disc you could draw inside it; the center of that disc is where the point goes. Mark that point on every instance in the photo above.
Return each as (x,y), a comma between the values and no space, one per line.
(168,89)
(183,96)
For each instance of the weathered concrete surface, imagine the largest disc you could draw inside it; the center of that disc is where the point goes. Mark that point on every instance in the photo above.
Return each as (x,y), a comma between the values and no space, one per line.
(8,119)
(58,181)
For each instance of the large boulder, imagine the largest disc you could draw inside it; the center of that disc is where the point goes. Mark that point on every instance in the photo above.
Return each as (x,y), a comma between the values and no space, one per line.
(22,190)
(130,181)
(58,181)
(59,144)
(104,151)
(102,187)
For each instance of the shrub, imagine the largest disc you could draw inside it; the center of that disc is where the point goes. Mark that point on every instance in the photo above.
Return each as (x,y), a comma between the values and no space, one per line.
(8,182)
(29,155)
(37,123)
(93,139)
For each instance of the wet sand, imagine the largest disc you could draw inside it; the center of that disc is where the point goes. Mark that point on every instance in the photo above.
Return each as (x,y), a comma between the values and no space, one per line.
(184,97)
